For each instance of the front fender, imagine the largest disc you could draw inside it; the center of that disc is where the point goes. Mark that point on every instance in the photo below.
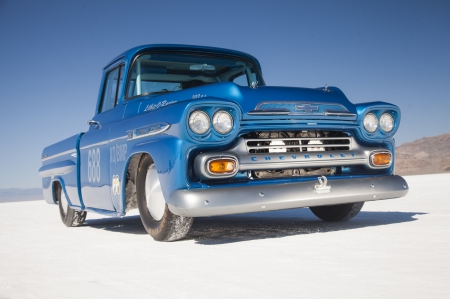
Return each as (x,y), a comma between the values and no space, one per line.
(170,158)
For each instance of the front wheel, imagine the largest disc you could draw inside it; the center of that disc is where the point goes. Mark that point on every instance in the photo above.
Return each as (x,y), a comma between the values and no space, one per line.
(156,217)
(69,216)
(342,212)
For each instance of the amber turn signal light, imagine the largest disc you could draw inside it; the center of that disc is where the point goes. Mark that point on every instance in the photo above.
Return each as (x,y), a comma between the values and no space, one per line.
(222,166)
(381,159)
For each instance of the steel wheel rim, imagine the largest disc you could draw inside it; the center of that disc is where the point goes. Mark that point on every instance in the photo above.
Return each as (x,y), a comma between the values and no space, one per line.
(154,197)
(64,203)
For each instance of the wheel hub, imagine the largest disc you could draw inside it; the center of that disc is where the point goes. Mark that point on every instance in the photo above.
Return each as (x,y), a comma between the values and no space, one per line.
(64,203)
(153,194)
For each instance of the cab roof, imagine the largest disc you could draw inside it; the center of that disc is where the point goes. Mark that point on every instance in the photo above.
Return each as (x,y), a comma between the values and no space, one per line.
(129,54)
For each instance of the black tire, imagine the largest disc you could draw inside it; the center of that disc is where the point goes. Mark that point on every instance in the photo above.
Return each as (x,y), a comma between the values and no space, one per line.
(69,216)
(169,227)
(342,212)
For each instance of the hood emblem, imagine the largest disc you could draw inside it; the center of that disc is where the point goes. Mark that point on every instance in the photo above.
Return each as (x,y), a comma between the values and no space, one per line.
(307,108)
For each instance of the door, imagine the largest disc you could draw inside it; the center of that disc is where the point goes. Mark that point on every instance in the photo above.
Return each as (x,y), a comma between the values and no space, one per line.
(95,176)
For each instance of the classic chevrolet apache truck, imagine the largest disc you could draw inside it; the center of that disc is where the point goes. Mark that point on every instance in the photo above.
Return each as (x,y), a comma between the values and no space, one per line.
(187,131)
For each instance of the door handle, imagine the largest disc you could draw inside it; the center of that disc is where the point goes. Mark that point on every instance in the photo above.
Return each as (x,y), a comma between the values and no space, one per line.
(94,123)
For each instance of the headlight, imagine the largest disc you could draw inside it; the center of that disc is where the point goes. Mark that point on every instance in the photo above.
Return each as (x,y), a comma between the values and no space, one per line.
(222,122)
(199,122)
(386,122)
(370,122)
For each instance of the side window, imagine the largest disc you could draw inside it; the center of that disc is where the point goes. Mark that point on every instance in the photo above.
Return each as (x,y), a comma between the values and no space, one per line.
(242,79)
(112,89)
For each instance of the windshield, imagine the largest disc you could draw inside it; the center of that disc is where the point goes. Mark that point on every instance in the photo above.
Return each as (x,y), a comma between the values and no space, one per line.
(161,73)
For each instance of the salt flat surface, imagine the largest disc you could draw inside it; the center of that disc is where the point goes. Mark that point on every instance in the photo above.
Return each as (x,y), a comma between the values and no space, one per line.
(398,248)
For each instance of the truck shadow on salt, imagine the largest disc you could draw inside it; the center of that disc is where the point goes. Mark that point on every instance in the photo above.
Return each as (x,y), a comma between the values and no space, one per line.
(278,224)
(255,226)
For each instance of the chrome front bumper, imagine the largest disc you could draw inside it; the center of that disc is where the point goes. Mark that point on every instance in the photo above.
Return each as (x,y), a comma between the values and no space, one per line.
(256,198)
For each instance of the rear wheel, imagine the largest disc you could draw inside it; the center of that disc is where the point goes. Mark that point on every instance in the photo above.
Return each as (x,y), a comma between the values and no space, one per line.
(69,216)
(156,217)
(342,212)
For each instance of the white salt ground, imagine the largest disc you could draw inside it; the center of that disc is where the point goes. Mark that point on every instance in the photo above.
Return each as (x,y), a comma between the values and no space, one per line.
(397,248)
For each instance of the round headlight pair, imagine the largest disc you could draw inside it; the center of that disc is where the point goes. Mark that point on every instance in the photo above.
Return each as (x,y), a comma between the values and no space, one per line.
(199,122)
(371,122)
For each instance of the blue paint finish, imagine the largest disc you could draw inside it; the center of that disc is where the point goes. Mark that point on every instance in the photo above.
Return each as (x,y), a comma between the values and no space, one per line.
(58,168)
(104,153)
(78,170)
(71,193)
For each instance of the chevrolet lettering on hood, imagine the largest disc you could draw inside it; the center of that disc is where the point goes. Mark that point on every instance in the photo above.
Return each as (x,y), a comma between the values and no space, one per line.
(184,131)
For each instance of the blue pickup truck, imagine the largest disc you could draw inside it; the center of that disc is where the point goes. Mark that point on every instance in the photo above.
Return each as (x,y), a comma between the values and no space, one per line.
(187,131)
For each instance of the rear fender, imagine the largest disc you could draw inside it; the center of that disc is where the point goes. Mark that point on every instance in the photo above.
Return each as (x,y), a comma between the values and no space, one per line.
(59,180)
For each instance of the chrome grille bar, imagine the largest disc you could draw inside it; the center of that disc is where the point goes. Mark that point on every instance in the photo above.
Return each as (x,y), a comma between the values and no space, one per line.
(328,143)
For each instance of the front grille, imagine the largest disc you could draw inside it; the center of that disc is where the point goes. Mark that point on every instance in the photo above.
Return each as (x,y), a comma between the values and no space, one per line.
(296,141)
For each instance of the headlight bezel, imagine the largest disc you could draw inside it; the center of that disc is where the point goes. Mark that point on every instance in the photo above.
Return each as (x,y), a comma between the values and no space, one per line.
(211,107)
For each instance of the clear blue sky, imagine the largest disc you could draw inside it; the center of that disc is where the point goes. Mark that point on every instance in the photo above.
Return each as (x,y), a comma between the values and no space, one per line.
(52,54)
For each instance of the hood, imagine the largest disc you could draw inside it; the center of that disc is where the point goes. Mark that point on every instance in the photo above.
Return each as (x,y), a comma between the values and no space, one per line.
(299,101)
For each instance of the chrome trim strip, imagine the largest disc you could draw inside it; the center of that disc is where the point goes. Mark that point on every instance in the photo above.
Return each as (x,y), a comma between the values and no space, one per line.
(270,112)
(300,145)
(149,130)
(58,168)
(300,138)
(288,112)
(256,198)
(302,164)
(294,146)
(338,113)
(94,145)
(118,138)
(47,157)
(300,103)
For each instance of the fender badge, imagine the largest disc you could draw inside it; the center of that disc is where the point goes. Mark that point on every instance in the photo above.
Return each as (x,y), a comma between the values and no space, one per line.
(115,185)
(322,187)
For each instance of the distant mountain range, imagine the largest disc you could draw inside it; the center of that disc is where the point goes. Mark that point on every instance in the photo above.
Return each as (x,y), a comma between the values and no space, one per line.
(424,156)
(17,194)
